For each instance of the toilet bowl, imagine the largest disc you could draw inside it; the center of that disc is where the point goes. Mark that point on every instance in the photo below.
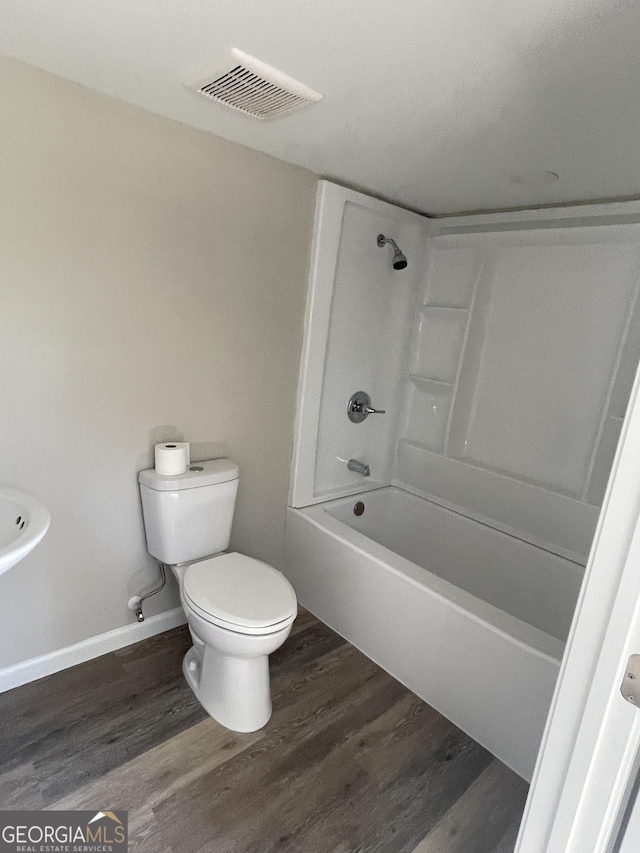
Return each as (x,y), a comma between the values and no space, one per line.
(239,610)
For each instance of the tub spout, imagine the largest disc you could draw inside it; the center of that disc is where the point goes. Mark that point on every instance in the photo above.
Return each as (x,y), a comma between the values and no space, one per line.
(359,467)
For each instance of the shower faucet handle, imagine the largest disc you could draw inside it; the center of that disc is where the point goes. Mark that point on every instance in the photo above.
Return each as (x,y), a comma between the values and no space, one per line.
(359,407)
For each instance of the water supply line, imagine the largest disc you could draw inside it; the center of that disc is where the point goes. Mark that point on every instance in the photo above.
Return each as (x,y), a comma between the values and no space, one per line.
(135,602)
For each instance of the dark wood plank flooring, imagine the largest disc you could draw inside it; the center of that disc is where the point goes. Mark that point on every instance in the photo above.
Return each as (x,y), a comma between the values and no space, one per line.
(350,762)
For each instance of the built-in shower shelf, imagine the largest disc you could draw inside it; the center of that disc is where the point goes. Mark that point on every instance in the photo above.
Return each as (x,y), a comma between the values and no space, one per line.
(454,310)
(427,412)
(439,342)
(418,445)
(426,383)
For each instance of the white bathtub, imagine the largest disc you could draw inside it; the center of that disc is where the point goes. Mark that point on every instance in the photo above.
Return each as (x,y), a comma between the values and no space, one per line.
(471,619)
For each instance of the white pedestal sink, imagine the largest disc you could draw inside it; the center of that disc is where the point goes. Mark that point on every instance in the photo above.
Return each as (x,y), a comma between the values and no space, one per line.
(23,523)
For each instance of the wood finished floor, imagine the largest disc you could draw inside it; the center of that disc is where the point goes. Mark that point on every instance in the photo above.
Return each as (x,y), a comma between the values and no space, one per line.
(350,762)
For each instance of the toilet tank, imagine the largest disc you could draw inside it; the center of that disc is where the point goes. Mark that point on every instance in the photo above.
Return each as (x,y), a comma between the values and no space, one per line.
(189,516)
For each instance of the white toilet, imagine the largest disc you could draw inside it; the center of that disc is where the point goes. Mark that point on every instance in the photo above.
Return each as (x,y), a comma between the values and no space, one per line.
(239,610)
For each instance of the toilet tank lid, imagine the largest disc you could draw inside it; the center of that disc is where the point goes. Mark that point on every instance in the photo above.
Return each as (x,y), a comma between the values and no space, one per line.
(198,474)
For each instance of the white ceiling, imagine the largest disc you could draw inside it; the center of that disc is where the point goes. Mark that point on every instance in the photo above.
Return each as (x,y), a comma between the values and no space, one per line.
(436,104)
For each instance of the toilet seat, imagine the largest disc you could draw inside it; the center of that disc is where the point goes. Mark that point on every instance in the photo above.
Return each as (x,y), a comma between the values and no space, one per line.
(240,594)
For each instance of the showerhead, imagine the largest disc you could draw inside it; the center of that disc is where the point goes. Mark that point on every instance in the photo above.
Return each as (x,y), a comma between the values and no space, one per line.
(399,261)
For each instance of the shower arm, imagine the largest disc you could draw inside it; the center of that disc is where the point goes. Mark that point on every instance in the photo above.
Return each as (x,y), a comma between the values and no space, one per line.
(384,241)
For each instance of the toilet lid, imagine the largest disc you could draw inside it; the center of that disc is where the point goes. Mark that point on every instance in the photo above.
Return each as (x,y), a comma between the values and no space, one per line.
(240,590)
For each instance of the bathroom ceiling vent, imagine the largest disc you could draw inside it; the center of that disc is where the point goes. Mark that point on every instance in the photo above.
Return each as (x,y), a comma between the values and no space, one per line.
(253,88)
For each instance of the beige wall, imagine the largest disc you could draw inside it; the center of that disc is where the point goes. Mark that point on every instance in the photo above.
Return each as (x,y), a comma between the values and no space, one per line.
(152,286)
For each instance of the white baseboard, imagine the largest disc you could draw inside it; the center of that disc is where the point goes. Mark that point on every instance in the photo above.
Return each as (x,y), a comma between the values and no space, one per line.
(31,670)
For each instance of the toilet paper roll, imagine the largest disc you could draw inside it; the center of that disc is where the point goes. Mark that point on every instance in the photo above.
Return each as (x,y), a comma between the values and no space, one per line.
(172,457)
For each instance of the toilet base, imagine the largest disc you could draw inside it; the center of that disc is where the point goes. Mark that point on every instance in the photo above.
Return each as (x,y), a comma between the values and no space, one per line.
(234,691)
(229,672)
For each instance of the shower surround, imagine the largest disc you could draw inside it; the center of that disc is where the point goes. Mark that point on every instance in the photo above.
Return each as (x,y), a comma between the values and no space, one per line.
(503,355)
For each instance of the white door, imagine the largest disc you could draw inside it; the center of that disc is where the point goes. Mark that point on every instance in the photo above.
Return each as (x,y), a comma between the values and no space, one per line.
(583,797)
